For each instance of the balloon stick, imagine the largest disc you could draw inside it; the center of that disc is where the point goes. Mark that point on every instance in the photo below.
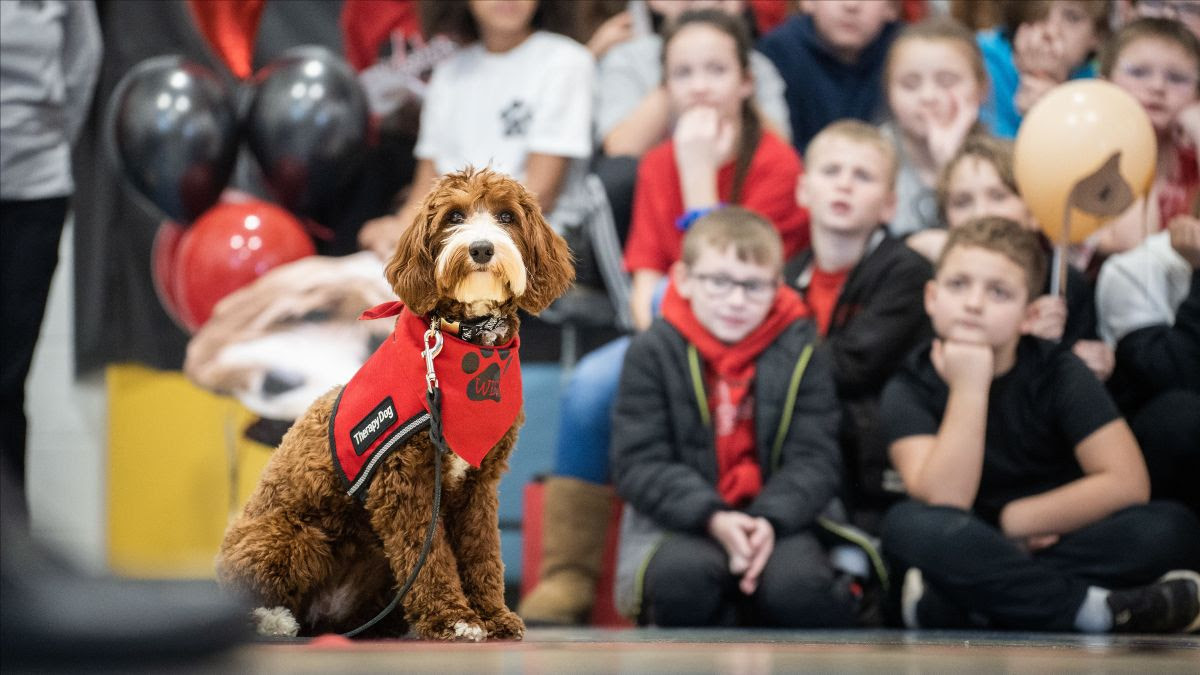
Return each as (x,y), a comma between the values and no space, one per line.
(1058,272)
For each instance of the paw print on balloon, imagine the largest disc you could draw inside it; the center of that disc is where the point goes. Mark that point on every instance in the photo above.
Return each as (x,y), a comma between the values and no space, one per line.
(486,385)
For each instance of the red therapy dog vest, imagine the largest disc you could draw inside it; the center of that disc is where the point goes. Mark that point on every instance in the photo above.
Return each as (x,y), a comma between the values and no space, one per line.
(384,404)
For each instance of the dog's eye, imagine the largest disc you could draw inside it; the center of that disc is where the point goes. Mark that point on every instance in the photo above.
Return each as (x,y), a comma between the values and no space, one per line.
(506,217)
(457,217)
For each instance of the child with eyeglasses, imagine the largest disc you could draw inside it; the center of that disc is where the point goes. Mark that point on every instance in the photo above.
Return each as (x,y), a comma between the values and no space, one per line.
(863,287)
(1157,61)
(724,444)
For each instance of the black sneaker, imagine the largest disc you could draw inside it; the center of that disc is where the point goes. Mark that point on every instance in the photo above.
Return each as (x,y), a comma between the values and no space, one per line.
(1169,605)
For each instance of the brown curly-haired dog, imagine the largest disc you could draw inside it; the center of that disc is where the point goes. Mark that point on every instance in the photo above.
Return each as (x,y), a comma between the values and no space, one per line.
(319,560)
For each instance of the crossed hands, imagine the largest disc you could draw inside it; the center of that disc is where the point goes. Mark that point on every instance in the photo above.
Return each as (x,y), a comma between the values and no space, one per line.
(747,540)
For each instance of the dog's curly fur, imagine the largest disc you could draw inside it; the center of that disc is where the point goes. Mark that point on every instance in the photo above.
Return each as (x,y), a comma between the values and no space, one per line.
(304,545)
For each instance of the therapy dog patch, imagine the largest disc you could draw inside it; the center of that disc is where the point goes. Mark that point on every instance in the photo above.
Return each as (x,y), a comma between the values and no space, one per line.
(384,404)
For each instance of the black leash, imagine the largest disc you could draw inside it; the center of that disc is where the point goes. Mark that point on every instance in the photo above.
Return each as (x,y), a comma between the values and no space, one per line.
(433,395)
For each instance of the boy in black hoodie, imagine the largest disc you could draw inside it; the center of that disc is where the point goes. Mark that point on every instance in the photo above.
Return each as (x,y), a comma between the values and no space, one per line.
(831,58)
(864,289)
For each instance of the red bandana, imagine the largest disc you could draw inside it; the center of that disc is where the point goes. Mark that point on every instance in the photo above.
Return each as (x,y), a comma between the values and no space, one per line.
(384,403)
(730,378)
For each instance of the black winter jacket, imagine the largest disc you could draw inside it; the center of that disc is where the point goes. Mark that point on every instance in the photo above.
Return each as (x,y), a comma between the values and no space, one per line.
(663,454)
(879,318)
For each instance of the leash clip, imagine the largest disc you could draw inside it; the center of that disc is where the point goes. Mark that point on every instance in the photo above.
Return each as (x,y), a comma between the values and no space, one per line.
(433,347)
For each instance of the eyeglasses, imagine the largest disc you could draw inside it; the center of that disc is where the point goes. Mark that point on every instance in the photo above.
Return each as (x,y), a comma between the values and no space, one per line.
(720,285)
(1191,10)
(1174,78)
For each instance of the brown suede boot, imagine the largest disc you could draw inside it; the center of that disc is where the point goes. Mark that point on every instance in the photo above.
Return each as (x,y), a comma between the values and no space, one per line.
(574,521)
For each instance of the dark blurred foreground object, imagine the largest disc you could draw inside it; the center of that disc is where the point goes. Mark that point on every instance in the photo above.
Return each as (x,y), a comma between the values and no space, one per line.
(51,617)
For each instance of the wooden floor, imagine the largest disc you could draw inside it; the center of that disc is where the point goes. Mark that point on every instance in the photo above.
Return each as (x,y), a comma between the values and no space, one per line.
(731,651)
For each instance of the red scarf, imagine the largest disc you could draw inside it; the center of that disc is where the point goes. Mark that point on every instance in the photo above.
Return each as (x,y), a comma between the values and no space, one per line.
(384,403)
(729,376)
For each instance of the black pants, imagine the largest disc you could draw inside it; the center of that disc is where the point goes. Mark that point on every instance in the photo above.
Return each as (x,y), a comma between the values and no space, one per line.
(687,583)
(1168,430)
(29,234)
(972,565)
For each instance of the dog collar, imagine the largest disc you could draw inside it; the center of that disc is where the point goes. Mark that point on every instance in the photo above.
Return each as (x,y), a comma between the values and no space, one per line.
(469,330)
(466,330)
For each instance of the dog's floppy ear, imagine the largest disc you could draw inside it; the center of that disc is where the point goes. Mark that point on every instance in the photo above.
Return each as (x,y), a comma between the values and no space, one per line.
(410,271)
(548,262)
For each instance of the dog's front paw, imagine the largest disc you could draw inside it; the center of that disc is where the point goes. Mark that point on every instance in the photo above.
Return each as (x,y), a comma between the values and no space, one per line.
(504,625)
(467,630)
(275,622)
(471,632)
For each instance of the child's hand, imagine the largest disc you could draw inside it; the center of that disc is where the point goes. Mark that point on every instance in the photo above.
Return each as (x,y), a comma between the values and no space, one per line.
(732,530)
(1038,542)
(1048,318)
(762,542)
(702,139)
(381,235)
(1187,125)
(944,134)
(1097,356)
(928,242)
(1031,89)
(1185,238)
(962,364)
(615,30)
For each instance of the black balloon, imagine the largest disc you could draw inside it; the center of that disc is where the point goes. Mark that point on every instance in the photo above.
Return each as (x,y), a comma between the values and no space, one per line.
(307,127)
(175,132)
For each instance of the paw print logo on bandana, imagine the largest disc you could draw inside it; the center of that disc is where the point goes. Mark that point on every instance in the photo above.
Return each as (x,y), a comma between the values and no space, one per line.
(486,385)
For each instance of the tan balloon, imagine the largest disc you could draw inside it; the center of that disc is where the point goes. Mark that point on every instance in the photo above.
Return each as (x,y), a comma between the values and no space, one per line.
(1086,144)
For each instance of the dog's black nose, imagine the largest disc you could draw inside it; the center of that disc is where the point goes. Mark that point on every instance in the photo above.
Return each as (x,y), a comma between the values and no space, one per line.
(482,251)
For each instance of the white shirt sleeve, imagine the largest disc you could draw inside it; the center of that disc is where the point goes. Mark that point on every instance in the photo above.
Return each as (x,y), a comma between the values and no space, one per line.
(562,117)
(1134,290)
(769,94)
(626,74)
(431,137)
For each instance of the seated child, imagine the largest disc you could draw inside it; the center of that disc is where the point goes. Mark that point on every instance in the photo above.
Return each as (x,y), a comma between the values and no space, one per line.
(724,444)
(831,59)
(633,108)
(1158,62)
(1148,301)
(1042,44)
(935,81)
(979,181)
(530,88)
(1029,495)
(864,289)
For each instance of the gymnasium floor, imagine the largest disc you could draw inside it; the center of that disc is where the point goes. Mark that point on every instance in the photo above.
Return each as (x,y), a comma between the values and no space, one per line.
(732,651)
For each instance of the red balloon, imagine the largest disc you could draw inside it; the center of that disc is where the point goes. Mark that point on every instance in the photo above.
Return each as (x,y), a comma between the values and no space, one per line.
(163,261)
(227,247)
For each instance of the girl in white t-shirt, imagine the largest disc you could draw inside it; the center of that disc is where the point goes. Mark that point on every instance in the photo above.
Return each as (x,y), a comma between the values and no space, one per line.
(517,97)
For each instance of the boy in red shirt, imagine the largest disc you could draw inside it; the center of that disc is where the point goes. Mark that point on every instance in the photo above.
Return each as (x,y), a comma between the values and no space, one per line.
(863,288)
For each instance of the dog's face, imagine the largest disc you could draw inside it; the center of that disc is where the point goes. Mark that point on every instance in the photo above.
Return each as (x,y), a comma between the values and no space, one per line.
(479,245)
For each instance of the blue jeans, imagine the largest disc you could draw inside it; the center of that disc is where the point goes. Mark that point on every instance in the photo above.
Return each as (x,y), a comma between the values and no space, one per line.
(585,418)
(585,421)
